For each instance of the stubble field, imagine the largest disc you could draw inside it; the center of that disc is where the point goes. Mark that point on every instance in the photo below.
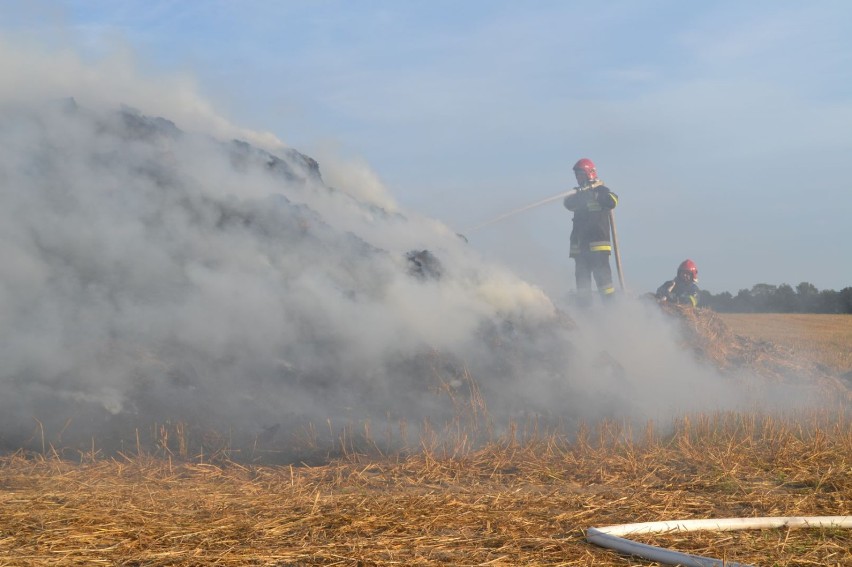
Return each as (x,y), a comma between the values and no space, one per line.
(826,339)
(523,498)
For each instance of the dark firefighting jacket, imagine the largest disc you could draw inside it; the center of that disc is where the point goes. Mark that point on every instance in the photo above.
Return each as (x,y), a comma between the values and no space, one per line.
(591,205)
(677,291)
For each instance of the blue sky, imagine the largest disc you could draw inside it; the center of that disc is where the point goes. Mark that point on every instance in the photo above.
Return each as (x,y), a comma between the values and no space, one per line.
(725,127)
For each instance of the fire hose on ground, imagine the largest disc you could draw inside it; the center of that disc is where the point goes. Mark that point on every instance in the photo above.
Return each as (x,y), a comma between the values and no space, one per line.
(610,536)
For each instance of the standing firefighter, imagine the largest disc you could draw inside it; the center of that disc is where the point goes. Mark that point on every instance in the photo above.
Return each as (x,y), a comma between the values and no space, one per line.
(592,203)
(682,290)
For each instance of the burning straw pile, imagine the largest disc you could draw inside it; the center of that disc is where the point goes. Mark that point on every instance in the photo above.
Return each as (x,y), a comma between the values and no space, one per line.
(171,276)
(714,342)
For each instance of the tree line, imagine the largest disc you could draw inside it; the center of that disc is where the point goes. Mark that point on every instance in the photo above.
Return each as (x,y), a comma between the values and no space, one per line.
(766,298)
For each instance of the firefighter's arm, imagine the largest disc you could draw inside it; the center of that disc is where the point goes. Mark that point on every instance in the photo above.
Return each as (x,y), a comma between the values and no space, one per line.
(606,198)
(665,290)
(571,200)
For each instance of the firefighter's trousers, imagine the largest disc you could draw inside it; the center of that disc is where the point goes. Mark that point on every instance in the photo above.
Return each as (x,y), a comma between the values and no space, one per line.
(593,264)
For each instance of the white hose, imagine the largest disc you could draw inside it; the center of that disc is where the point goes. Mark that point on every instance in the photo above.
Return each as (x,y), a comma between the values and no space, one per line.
(522,209)
(608,536)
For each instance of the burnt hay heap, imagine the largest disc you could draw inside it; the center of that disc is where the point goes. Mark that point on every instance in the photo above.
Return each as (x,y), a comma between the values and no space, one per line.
(712,341)
(158,280)
(167,289)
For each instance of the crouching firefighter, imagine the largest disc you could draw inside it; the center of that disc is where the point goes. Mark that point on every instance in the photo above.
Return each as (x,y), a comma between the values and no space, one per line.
(591,203)
(682,290)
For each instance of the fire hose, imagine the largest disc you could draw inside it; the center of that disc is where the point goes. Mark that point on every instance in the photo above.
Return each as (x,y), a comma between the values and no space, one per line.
(609,536)
(615,251)
(563,195)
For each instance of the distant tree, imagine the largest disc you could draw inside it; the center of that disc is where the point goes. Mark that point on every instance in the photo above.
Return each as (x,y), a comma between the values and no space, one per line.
(743,302)
(707,299)
(766,298)
(723,303)
(763,290)
(784,300)
(761,296)
(845,300)
(828,301)
(808,296)
(806,288)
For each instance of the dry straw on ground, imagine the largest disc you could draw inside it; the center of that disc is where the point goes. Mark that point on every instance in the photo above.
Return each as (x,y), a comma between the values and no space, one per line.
(524,498)
(510,503)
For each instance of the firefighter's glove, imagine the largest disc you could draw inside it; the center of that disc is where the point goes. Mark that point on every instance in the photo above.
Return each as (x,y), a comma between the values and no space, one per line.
(569,201)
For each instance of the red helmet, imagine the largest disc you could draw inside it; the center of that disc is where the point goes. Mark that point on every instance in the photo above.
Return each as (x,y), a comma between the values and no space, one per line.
(688,267)
(586,168)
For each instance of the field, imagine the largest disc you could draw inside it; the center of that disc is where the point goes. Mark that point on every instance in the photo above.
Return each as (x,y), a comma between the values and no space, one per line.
(826,339)
(523,498)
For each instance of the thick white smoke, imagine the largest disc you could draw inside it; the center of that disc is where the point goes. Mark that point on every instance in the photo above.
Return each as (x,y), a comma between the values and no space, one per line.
(161,275)
(154,274)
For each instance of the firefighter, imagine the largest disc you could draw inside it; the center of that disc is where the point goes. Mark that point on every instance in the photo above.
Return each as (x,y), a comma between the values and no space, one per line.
(682,290)
(591,246)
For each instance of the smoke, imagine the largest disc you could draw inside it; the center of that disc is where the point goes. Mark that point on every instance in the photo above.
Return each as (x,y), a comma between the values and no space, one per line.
(153,274)
(35,70)
(355,177)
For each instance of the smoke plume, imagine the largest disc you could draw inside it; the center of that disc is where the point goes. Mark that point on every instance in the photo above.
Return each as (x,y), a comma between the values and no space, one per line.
(156,275)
